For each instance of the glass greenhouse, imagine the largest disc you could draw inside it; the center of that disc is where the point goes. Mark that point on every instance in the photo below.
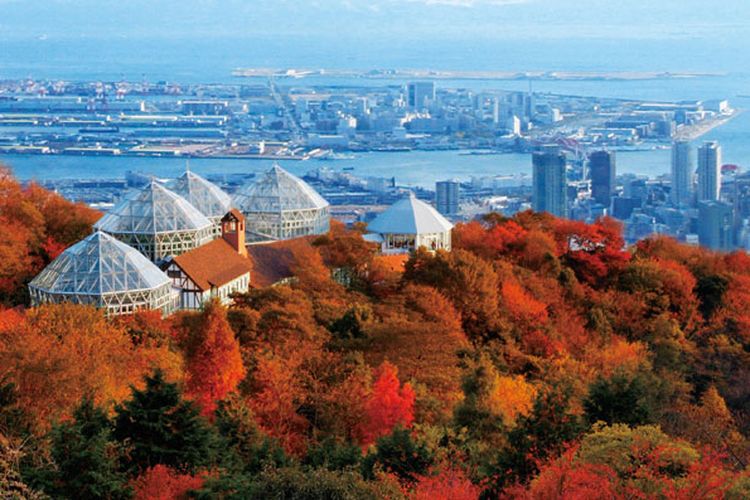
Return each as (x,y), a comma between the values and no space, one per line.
(281,206)
(106,273)
(157,222)
(206,196)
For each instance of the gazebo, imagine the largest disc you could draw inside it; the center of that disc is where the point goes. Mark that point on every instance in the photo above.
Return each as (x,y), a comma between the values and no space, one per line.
(408,224)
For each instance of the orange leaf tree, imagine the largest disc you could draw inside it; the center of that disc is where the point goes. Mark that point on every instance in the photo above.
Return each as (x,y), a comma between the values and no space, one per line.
(214,364)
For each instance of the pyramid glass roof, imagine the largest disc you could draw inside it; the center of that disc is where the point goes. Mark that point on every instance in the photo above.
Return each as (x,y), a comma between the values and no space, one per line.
(278,191)
(206,196)
(99,265)
(152,210)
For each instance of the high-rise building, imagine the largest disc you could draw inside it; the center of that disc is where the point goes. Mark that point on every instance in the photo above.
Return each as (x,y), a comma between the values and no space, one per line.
(419,95)
(550,182)
(709,171)
(602,172)
(681,173)
(716,225)
(447,197)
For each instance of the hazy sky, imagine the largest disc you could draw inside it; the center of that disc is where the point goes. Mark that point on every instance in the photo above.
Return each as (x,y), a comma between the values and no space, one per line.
(728,19)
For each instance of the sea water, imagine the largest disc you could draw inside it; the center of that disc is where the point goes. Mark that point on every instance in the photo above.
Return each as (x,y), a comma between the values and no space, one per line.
(212,61)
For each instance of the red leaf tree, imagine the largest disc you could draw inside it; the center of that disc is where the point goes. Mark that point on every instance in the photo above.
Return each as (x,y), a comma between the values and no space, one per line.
(162,483)
(390,404)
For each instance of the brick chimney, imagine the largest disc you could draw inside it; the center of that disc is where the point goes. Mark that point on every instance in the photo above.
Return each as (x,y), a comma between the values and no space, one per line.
(233,230)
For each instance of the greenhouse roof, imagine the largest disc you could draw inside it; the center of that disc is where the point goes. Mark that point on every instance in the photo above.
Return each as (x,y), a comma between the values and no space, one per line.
(98,265)
(206,196)
(152,210)
(277,191)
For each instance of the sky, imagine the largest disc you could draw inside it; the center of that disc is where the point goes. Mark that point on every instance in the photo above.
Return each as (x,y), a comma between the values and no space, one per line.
(411,19)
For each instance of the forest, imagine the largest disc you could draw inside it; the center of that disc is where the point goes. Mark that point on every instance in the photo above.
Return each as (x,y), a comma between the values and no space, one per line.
(540,359)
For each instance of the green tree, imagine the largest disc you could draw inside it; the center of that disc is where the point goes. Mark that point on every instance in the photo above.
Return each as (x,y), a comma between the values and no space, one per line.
(543,433)
(620,399)
(87,458)
(160,427)
(333,455)
(298,484)
(240,434)
(399,454)
(710,290)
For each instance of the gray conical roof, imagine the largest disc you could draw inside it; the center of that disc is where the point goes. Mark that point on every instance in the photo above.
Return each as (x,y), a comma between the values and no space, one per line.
(277,191)
(206,196)
(152,210)
(410,216)
(99,265)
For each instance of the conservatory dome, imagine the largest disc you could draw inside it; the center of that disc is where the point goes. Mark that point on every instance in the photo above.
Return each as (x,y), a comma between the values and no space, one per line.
(102,271)
(206,196)
(411,223)
(157,222)
(281,206)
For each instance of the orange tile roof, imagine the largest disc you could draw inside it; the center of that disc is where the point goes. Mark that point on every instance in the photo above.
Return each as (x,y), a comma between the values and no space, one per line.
(234,213)
(272,262)
(213,264)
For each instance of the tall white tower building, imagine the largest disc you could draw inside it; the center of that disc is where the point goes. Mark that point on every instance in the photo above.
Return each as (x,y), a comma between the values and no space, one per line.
(681,173)
(709,171)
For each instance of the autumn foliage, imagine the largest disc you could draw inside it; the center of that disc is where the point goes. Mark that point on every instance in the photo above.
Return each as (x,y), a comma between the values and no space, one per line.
(539,359)
(37,225)
(162,483)
(390,404)
(214,364)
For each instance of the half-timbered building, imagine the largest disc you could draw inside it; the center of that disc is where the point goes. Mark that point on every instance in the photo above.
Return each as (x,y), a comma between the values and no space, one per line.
(215,270)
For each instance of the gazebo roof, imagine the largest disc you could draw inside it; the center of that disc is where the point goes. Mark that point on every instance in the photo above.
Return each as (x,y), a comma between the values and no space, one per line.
(410,216)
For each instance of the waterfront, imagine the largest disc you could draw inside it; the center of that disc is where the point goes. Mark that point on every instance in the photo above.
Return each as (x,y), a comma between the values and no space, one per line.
(415,168)
(214,59)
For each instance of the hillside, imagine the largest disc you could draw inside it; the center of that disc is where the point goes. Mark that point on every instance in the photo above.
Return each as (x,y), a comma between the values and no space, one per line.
(538,359)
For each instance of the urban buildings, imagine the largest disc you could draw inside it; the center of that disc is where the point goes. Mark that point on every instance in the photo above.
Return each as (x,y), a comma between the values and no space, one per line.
(682,173)
(709,171)
(447,197)
(549,192)
(602,173)
(716,225)
(419,95)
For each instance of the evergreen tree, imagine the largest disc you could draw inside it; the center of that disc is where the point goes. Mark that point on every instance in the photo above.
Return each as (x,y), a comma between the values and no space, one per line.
(400,454)
(333,455)
(243,440)
(620,399)
(160,427)
(710,291)
(543,433)
(86,456)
